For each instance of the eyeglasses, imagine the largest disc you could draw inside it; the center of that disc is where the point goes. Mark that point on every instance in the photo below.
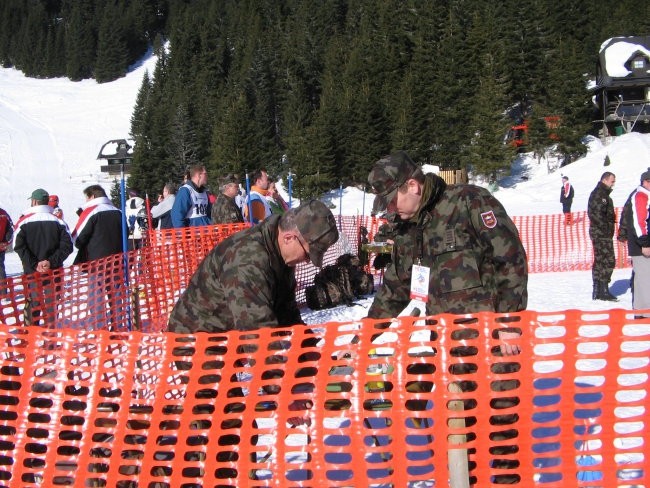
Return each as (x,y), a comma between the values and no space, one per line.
(303,248)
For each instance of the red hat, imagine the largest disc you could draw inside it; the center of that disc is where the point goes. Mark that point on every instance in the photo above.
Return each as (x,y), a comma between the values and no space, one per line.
(54,201)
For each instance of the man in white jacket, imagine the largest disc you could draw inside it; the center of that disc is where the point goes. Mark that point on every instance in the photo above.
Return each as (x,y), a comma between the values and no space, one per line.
(163,211)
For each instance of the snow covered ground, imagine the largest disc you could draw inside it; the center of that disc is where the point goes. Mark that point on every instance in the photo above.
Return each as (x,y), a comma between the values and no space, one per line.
(52,130)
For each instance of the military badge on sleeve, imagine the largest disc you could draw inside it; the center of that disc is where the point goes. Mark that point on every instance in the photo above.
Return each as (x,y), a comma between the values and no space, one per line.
(489,220)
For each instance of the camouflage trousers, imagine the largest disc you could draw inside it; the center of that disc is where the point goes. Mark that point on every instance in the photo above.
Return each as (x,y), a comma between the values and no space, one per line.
(604,259)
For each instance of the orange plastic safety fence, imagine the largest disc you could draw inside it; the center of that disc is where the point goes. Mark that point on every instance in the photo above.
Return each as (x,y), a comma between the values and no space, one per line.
(366,403)
(554,245)
(100,295)
(166,265)
(89,296)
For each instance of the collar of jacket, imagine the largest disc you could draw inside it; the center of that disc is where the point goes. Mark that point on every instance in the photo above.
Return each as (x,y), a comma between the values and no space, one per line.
(97,201)
(41,209)
(259,190)
(432,191)
(223,195)
(269,229)
(604,187)
(199,189)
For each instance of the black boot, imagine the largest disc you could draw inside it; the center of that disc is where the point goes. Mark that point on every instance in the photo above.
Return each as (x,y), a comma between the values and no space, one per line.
(596,292)
(605,294)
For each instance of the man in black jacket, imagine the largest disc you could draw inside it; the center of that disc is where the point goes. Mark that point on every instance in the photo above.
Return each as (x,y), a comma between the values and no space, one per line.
(566,199)
(42,241)
(98,232)
(97,235)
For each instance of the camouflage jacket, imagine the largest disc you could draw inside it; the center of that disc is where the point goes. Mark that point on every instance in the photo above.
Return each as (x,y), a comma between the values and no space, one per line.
(242,284)
(476,259)
(226,211)
(600,209)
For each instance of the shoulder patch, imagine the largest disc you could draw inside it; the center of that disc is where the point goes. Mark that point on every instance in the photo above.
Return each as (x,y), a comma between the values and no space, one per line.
(489,219)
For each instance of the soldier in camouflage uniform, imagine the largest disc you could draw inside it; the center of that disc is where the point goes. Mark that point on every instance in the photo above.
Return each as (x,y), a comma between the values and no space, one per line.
(602,222)
(225,210)
(247,281)
(461,232)
(474,254)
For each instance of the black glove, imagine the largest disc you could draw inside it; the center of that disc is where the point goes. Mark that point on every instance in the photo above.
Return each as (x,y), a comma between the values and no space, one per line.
(381,261)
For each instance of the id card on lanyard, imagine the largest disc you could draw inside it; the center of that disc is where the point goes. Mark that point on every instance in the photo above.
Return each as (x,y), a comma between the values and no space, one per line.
(420,283)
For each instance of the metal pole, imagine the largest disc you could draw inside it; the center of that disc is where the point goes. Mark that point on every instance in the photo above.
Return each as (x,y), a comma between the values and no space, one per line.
(248,197)
(125,247)
(290,189)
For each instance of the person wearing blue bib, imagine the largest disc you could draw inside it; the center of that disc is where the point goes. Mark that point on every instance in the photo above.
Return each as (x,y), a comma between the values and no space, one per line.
(192,206)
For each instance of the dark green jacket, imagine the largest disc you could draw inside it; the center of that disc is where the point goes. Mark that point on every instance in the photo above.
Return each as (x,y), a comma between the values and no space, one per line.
(242,284)
(600,209)
(226,211)
(472,248)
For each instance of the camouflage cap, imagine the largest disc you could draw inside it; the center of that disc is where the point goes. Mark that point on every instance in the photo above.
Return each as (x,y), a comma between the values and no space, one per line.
(388,174)
(317,226)
(230,179)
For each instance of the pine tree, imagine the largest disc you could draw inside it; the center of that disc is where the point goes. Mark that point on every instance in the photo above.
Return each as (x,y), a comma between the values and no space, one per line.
(414,116)
(487,154)
(138,118)
(571,104)
(331,127)
(112,49)
(539,139)
(55,50)
(152,157)
(453,82)
(529,47)
(80,39)
(184,150)
(233,145)
(116,193)
(11,17)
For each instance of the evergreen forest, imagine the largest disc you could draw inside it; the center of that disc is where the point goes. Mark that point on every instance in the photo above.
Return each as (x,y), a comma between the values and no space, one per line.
(323,88)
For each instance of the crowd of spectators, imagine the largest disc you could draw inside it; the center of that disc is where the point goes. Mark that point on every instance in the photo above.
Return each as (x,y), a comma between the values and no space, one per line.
(192,203)
(43,240)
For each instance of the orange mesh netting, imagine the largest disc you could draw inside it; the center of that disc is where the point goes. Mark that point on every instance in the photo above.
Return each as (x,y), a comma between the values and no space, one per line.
(339,404)
(159,272)
(553,246)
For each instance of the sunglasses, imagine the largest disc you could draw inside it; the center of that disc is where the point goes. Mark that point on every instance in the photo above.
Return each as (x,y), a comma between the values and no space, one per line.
(303,248)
